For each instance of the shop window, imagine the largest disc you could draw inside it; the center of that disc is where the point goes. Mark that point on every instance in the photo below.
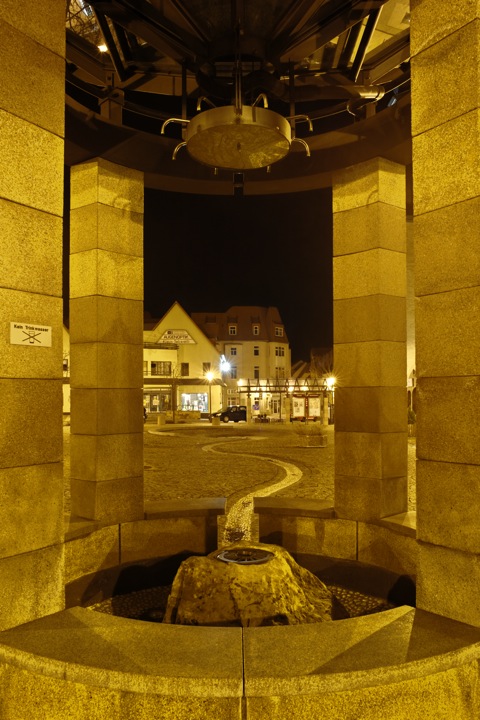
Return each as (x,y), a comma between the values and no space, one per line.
(232,329)
(256,372)
(184,369)
(280,351)
(278,331)
(256,329)
(256,350)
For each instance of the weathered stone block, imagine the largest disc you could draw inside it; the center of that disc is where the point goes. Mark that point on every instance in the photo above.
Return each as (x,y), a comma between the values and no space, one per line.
(381,547)
(448,582)
(31,165)
(448,333)
(375,363)
(374,317)
(92,552)
(29,360)
(104,319)
(108,501)
(431,21)
(106,228)
(30,422)
(453,144)
(39,267)
(100,181)
(32,586)
(449,507)
(310,535)
(371,455)
(106,411)
(65,666)
(447,419)
(99,272)
(370,410)
(29,18)
(31,512)
(106,365)
(441,65)
(167,536)
(367,499)
(446,248)
(368,227)
(37,101)
(372,272)
(376,180)
(106,457)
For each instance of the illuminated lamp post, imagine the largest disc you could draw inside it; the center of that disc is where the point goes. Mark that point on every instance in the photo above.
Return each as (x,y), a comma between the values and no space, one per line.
(209,377)
(224,369)
(329,383)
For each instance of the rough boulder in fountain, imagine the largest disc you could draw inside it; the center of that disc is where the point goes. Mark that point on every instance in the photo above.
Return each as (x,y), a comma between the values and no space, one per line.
(275,591)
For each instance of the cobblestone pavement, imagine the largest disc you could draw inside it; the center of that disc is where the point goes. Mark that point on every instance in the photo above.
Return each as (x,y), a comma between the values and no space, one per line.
(236,461)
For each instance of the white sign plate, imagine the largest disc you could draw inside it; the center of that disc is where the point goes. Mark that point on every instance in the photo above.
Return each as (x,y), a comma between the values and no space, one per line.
(178,337)
(28,334)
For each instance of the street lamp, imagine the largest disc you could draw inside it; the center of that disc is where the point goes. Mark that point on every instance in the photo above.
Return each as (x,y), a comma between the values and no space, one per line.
(329,382)
(209,376)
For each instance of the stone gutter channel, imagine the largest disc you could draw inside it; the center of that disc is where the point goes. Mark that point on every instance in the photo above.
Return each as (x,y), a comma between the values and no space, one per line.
(239,515)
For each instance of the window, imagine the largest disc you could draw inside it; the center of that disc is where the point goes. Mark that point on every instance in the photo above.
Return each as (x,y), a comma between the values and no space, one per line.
(280,351)
(278,331)
(233,371)
(161,368)
(256,350)
(256,372)
(145,367)
(184,370)
(232,329)
(207,367)
(280,373)
(233,351)
(256,329)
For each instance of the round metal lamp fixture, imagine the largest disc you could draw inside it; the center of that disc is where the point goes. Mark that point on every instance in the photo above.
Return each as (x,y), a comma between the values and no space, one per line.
(238,138)
(225,138)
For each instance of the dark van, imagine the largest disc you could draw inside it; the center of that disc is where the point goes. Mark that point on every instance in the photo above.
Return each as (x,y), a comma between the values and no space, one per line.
(234,412)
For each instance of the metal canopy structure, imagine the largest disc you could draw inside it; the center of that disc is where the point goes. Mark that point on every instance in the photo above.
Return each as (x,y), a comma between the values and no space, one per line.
(343,64)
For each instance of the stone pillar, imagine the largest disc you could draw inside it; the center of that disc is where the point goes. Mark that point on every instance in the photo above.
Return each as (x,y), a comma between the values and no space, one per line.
(106,336)
(369,285)
(446,172)
(32,77)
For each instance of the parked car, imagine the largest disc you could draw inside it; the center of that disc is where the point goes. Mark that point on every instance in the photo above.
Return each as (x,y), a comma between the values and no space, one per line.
(234,412)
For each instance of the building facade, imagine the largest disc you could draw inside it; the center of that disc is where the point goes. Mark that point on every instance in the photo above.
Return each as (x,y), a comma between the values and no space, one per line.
(181,366)
(254,342)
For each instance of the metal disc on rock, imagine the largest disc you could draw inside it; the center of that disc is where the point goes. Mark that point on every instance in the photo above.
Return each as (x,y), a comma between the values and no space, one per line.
(245,556)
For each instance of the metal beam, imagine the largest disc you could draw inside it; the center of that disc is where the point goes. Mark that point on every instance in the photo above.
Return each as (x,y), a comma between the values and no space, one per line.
(332,19)
(387,57)
(142,19)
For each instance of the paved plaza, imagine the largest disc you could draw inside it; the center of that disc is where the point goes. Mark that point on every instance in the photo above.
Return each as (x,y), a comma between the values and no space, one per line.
(236,461)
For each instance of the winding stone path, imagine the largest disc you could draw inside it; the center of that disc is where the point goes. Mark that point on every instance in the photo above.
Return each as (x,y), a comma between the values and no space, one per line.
(239,515)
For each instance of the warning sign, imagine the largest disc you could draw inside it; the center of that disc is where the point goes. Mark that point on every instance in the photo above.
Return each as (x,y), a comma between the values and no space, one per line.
(31,335)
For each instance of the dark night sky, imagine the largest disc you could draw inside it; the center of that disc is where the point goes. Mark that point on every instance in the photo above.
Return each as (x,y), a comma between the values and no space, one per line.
(209,253)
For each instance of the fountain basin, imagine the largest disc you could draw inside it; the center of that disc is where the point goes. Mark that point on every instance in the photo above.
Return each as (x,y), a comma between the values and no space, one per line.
(402,663)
